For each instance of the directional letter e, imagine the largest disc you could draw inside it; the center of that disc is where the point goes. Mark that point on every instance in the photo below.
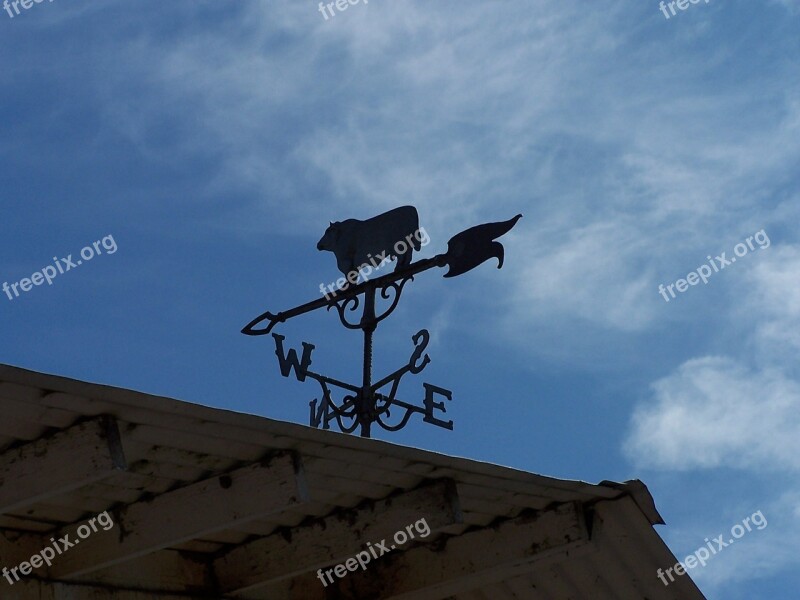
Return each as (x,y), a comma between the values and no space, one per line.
(289,361)
(430,405)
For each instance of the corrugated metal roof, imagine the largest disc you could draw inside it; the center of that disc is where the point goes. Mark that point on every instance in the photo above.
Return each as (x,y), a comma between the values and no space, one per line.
(169,444)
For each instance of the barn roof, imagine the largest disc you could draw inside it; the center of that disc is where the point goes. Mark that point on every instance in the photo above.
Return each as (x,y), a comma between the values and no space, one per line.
(209,503)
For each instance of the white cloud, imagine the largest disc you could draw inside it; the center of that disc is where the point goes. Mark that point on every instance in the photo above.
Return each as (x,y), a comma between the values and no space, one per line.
(714,412)
(596,273)
(773,302)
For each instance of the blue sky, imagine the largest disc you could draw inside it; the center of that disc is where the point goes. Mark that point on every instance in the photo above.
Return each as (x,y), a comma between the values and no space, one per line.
(215,140)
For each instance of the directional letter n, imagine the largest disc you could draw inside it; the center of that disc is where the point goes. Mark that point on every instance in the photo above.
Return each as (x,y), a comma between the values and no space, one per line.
(288,361)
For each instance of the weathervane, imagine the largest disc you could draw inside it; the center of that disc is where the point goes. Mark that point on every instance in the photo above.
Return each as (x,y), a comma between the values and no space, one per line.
(360,246)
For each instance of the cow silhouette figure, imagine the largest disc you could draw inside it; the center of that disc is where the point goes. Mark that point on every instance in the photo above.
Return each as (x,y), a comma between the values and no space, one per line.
(394,234)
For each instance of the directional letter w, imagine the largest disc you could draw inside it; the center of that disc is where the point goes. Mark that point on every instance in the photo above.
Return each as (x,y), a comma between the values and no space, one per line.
(289,361)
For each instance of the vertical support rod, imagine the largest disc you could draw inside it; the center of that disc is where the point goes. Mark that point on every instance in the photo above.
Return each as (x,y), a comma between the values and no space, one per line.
(368,325)
(367,408)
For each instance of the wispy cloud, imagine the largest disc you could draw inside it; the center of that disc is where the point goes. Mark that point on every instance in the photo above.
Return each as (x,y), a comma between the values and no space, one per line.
(714,412)
(773,302)
(544,106)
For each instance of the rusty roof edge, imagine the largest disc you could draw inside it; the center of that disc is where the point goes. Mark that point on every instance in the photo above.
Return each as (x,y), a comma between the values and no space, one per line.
(163,404)
(637,490)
